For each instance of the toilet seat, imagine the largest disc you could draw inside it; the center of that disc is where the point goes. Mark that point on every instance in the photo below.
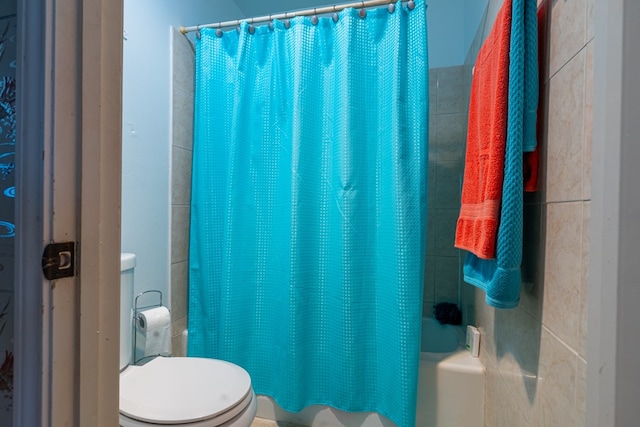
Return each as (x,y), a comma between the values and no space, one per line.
(185,391)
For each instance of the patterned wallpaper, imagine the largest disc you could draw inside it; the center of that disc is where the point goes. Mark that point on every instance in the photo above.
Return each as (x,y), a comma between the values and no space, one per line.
(7,204)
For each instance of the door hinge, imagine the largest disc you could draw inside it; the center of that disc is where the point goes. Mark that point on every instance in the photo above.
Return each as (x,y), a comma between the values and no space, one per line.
(58,260)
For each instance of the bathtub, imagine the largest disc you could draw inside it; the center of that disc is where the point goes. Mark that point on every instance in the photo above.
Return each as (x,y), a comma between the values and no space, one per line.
(450,389)
(451,382)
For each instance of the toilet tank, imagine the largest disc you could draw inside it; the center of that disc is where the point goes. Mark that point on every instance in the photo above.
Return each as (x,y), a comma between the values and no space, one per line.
(127,264)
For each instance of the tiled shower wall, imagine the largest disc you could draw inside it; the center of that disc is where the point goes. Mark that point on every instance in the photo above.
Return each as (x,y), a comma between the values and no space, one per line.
(535,354)
(7,205)
(448,105)
(183,64)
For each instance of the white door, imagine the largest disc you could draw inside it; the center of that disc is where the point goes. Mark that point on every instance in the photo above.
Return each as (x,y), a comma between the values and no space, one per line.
(67,174)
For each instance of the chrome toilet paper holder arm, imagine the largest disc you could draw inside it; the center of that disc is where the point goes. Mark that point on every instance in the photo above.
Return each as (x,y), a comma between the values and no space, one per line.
(137,309)
(137,319)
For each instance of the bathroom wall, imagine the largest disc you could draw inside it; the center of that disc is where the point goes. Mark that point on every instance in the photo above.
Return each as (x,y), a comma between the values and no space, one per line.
(452,26)
(535,354)
(7,205)
(147,215)
(448,105)
(183,63)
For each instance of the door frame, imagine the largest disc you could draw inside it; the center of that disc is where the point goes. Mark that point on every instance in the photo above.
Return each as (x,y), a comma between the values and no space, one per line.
(613,379)
(68,178)
(30,374)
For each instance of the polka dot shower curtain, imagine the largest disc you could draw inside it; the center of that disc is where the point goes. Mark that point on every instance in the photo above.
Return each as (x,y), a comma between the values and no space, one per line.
(309,207)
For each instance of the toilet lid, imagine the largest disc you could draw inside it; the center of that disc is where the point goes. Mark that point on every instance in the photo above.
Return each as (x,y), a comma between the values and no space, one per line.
(173,390)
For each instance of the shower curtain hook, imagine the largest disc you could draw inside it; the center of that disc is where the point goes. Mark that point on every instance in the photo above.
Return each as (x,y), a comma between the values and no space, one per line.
(271,22)
(198,32)
(362,12)
(286,21)
(314,18)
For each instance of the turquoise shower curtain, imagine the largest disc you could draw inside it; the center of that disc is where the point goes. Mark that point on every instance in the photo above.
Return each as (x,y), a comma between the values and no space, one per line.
(309,207)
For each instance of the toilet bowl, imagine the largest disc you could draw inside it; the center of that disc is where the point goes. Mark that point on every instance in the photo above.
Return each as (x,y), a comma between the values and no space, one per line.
(178,391)
(185,391)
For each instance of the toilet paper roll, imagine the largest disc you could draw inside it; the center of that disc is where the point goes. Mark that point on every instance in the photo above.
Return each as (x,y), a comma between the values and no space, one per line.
(153,332)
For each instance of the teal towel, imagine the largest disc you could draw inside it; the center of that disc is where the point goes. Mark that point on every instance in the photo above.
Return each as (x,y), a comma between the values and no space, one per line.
(500,277)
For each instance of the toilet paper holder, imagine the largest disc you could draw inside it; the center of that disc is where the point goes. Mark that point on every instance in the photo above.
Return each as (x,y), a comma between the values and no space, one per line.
(137,320)
(137,309)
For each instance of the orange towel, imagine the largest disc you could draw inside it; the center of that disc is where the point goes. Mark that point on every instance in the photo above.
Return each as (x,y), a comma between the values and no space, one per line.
(486,139)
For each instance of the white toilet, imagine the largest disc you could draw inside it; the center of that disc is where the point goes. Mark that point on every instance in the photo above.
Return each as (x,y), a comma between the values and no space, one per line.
(177,391)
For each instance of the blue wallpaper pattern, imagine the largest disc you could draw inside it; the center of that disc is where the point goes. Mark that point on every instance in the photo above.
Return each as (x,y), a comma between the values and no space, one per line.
(7,206)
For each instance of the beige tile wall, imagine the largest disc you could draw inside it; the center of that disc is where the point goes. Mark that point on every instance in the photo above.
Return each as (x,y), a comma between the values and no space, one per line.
(182,145)
(448,104)
(536,354)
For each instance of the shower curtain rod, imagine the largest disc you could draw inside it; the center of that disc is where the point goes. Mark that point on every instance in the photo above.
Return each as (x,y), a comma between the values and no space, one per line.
(288,15)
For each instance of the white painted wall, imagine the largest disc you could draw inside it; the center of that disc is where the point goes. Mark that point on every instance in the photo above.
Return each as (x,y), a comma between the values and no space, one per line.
(452,25)
(474,13)
(445,22)
(146,146)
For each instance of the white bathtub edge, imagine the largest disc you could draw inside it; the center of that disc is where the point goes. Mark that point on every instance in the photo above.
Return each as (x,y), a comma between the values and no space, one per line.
(460,361)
